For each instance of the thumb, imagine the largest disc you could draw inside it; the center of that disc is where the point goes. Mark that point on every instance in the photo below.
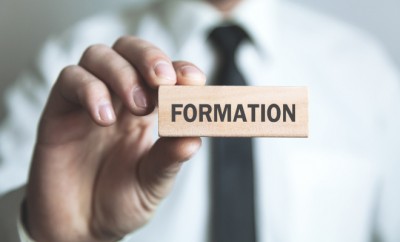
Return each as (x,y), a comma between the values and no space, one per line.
(158,169)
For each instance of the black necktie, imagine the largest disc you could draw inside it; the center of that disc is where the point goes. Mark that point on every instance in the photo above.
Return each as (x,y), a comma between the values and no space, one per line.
(232,158)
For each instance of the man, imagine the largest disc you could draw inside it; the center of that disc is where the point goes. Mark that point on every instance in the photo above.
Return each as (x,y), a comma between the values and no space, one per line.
(96,174)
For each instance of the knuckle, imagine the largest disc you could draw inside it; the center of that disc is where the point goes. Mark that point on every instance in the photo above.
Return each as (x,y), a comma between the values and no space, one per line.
(93,87)
(94,50)
(151,55)
(143,49)
(69,72)
(122,77)
(180,64)
(124,39)
(90,90)
(187,63)
(151,51)
(124,74)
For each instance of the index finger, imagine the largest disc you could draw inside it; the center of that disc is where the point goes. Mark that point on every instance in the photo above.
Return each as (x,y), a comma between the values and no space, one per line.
(154,65)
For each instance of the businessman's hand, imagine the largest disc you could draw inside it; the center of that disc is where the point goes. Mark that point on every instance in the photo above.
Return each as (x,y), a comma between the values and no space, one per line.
(96,173)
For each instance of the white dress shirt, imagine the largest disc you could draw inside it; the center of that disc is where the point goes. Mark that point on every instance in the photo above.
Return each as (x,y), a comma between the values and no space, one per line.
(341,184)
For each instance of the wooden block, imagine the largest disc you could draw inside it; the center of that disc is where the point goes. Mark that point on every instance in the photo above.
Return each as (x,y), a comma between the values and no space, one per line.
(232,111)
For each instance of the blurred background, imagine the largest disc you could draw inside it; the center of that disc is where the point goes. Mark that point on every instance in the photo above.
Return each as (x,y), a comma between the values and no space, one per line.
(25,24)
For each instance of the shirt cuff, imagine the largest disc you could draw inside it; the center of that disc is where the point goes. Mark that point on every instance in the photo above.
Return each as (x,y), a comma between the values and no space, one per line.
(23,234)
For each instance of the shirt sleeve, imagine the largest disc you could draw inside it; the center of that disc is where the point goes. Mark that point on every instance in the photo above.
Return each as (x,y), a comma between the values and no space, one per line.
(23,235)
(9,214)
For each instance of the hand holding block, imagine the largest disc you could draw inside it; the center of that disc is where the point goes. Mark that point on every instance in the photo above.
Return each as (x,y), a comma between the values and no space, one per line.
(232,111)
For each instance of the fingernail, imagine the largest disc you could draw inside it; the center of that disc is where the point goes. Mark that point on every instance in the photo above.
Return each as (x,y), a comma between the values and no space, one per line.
(139,97)
(164,70)
(191,72)
(106,113)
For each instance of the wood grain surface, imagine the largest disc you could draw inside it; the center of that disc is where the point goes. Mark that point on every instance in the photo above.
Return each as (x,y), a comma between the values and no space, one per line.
(232,111)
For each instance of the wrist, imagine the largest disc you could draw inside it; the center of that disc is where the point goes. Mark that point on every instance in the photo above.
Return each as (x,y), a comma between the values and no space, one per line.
(31,231)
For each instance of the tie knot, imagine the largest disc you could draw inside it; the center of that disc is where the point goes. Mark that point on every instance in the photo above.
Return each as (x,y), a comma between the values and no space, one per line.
(227,38)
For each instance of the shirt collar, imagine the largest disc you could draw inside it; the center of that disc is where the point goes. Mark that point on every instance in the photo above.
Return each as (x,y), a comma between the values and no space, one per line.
(196,18)
(258,18)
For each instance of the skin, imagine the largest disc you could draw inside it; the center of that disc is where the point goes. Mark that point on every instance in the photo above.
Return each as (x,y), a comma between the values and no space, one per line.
(96,173)
(224,6)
